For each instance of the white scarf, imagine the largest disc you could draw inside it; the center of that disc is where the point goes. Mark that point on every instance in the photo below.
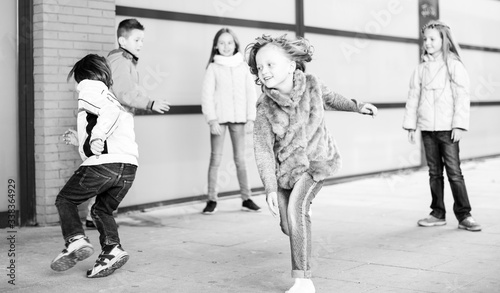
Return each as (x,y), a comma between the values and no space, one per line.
(230,61)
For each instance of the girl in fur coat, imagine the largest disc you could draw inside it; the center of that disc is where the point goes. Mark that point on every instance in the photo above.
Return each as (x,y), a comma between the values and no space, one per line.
(228,102)
(293,148)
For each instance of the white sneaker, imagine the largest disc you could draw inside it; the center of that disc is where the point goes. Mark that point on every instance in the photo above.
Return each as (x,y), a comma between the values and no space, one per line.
(108,262)
(77,249)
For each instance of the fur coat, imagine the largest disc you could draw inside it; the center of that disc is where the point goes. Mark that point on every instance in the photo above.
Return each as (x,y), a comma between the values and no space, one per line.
(290,135)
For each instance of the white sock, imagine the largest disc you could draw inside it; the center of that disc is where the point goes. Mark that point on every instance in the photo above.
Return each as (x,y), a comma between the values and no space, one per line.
(302,286)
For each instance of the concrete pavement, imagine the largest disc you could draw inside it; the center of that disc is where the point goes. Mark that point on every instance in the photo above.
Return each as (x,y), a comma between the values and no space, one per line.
(365,239)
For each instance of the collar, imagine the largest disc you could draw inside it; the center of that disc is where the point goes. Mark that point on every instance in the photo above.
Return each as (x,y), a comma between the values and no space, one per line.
(127,54)
(92,85)
(293,99)
(430,58)
(230,61)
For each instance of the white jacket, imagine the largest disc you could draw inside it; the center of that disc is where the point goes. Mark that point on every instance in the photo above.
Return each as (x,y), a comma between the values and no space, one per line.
(438,99)
(228,91)
(100,116)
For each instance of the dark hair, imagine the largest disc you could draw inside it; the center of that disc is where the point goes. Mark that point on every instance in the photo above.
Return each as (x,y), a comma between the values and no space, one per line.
(93,67)
(215,51)
(298,50)
(126,26)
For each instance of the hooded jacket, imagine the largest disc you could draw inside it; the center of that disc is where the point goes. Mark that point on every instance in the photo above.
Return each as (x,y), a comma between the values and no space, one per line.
(228,91)
(290,135)
(100,116)
(438,99)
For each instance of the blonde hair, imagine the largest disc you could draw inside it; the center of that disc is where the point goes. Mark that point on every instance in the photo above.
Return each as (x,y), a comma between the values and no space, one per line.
(449,43)
(298,50)
(449,48)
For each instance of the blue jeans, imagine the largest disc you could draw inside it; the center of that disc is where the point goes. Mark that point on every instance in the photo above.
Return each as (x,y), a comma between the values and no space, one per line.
(109,183)
(237,133)
(295,222)
(441,151)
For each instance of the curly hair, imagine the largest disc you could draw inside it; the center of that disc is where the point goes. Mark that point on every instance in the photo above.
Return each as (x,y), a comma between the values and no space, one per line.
(298,50)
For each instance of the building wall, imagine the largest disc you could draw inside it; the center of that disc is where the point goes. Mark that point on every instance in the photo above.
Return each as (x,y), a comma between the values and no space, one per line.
(174,148)
(63,31)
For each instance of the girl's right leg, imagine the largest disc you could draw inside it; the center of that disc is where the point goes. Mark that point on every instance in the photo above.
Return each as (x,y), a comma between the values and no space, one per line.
(436,179)
(296,223)
(217,146)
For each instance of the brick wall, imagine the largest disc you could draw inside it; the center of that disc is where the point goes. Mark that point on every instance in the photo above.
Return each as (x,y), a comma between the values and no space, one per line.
(63,31)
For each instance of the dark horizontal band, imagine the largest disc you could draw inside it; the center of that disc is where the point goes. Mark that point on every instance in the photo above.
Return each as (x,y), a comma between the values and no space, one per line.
(198,18)
(196,109)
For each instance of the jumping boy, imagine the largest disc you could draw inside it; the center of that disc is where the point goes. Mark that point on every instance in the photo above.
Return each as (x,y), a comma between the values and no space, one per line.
(109,152)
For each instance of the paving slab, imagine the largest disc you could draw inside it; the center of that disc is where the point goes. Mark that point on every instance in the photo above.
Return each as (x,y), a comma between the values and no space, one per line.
(365,239)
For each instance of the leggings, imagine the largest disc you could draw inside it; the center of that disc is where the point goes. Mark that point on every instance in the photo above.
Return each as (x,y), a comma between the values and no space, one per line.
(296,223)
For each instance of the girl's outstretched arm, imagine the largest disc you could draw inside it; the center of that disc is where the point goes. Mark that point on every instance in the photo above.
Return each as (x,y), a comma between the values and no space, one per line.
(337,102)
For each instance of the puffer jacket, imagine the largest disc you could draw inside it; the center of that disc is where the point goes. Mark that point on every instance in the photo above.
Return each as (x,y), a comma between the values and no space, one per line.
(126,85)
(438,99)
(100,116)
(228,91)
(290,134)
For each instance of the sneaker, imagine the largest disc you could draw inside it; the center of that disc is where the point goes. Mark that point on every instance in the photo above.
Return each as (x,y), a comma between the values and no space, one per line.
(469,224)
(431,221)
(211,207)
(90,224)
(249,206)
(108,261)
(77,249)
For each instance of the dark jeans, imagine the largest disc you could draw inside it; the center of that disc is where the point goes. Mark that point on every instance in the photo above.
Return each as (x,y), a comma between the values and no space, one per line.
(109,183)
(440,152)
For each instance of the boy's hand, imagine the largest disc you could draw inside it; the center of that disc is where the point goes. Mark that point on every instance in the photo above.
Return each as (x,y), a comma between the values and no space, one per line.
(411,136)
(97,146)
(369,109)
(272,203)
(215,128)
(456,134)
(161,106)
(70,137)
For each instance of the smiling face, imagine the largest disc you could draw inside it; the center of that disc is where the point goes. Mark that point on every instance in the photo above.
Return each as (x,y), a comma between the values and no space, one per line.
(433,43)
(133,42)
(226,45)
(275,69)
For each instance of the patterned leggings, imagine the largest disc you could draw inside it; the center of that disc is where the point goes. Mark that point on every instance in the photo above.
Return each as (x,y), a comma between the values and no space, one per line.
(296,222)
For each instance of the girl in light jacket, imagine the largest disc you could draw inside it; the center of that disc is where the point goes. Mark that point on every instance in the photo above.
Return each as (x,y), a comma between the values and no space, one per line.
(439,104)
(228,102)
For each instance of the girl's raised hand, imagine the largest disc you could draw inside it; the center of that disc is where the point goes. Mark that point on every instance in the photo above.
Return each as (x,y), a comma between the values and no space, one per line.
(272,203)
(369,109)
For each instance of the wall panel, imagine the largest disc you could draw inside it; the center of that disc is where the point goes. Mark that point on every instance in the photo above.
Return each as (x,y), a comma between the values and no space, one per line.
(473,22)
(261,10)
(381,17)
(375,71)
